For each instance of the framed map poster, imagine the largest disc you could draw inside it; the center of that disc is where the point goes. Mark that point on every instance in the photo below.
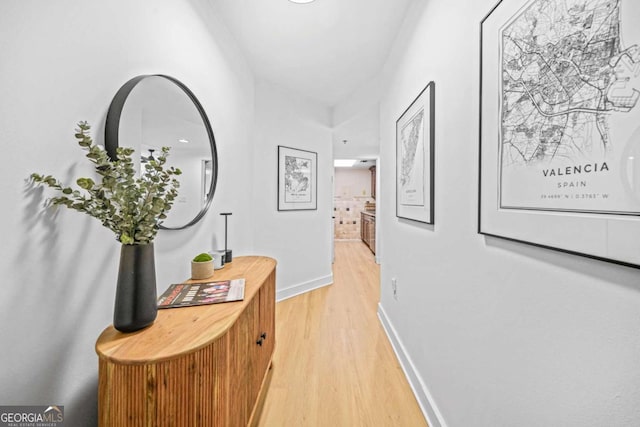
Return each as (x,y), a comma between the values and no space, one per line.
(414,158)
(297,179)
(560,126)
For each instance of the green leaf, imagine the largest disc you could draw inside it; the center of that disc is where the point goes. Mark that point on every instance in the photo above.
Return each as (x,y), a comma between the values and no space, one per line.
(126,239)
(85,183)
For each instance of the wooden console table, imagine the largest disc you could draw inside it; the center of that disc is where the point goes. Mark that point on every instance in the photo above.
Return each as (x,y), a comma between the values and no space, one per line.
(195,366)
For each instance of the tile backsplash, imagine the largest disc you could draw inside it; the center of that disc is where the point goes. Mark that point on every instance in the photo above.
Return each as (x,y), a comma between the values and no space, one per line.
(347,216)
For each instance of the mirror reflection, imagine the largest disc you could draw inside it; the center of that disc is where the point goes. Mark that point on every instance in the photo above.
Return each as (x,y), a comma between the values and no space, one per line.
(155,111)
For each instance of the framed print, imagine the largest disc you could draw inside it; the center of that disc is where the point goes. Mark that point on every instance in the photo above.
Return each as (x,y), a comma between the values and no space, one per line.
(414,158)
(560,126)
(297,179)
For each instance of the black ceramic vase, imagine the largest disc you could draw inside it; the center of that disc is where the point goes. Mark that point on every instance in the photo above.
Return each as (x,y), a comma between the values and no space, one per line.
(136,306)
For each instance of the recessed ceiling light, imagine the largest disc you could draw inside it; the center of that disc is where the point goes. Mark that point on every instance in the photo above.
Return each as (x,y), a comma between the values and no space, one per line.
(343,163)
(301,1)
(184,141)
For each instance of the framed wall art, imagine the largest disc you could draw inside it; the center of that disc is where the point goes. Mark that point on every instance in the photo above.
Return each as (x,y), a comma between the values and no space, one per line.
(414,158)
(297,179)
(560,126)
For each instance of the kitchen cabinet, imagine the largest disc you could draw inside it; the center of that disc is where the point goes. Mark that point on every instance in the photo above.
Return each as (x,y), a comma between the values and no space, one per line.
(372,169)
(368,229)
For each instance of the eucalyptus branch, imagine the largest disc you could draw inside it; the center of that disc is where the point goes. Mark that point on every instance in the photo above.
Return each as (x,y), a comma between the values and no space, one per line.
(132,207)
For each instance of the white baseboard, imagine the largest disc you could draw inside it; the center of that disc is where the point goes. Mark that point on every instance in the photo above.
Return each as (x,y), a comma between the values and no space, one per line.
(295,290)
(420,390)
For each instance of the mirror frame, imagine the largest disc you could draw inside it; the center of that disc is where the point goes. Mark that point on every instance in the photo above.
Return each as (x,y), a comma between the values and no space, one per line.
(112,127)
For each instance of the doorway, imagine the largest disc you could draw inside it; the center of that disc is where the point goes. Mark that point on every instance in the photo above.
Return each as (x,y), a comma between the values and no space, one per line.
(354,203)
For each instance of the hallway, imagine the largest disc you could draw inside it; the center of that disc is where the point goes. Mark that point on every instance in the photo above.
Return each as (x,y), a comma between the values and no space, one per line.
(333,364)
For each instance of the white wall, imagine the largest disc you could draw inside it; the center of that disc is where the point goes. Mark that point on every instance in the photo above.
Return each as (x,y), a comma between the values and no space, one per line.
(352,182)
(300,240)
(496,333)
(362,133)
(62,62)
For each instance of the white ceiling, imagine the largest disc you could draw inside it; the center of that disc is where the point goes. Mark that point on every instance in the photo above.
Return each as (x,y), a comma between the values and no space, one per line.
(322,50)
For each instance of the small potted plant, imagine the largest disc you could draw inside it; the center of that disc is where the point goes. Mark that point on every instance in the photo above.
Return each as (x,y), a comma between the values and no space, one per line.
(202,266)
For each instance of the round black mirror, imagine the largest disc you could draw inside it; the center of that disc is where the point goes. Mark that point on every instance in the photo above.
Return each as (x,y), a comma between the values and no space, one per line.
(154,111)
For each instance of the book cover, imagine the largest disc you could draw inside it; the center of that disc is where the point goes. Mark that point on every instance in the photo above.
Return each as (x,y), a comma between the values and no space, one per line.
(191,294)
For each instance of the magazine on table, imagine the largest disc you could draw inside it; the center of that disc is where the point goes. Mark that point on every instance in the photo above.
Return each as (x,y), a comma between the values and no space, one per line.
(191,294)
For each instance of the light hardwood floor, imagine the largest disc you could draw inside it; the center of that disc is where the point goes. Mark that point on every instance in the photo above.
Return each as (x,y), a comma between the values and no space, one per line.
(333,364)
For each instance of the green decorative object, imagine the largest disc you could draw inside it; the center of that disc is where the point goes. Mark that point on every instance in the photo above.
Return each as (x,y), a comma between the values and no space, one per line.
(131,206)
(203,257)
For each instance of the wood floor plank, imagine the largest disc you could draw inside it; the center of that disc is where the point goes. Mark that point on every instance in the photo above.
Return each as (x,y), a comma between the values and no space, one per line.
(333,364)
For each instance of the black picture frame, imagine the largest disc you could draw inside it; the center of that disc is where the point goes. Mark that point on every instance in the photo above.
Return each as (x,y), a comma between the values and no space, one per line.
(602,234)
(297,179)
(415,163)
